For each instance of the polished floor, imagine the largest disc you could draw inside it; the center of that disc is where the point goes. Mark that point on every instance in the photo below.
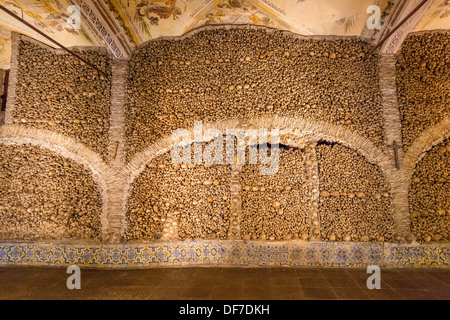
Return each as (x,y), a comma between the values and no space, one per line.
(223,284)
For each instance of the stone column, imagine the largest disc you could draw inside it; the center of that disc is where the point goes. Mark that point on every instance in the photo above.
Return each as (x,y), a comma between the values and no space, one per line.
(234,232)
(396,176)
(312,172)
(116,183)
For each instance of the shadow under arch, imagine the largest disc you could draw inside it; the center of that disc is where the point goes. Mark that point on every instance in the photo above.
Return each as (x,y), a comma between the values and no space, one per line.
(67,148)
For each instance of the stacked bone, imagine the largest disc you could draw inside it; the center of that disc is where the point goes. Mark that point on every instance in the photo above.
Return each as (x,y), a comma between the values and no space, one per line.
(194,197)
(429,195)
(45,196)
(355,204)
(276,207)
(423,79)
(58,92)
(221,74)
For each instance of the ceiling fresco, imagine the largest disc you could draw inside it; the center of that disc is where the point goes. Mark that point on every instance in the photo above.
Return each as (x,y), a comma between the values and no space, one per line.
(120,25)
(49,16)
(436,17)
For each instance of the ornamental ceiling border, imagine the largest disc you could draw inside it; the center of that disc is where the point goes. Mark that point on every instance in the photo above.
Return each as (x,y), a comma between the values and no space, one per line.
(110,33)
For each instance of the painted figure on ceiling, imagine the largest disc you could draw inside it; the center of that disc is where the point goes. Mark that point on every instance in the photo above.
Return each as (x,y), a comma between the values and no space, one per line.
(159,9)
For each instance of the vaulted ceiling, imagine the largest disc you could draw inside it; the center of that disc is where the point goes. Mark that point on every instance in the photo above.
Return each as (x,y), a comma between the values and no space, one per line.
(121,25)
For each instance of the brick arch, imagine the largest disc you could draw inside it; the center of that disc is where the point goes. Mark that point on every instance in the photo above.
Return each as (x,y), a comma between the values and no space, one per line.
(427,140)
(68,148)
(311,130)
(288,125)
(401,179)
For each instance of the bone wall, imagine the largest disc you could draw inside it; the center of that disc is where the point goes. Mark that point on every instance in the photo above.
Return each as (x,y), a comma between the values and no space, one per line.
(355,201)
(57,92)
(186,201)
(429,195)
(328,192)
(221,74)
(423,81)
(276,207)
(44,196)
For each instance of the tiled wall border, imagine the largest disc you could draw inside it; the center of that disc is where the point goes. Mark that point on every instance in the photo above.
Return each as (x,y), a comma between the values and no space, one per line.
(225,253)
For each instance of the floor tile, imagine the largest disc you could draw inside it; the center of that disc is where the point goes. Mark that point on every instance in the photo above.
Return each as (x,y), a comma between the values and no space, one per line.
(342,283)
(336,273)
(314,283)
(440,294)
(257,294)
(319,293)
(224,283)
(289,293)
(416,294)
(384,294)
(351,293)
(401,284)
(308,273)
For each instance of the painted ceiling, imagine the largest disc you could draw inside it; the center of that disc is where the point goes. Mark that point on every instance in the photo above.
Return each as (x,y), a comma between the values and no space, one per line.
(121,25)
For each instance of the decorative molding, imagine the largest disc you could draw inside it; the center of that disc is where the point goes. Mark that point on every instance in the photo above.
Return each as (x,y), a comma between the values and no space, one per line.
(109,32)
(120,14)
(400,11)
(225,253)
(371,34)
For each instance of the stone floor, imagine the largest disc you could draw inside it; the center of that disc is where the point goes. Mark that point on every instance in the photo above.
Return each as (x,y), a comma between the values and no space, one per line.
(223,284)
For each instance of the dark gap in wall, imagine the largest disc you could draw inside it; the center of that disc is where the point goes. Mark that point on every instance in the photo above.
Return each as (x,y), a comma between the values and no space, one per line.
(326,143)
(5,90)
(269,145)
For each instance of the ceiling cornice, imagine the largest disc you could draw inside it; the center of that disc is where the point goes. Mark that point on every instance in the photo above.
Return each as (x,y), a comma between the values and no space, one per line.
(106,28)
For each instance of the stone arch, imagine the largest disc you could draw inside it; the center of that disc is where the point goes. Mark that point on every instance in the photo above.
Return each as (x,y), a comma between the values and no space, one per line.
(431,137)
(427,140)
(287,125)
(311,130)
(68,148)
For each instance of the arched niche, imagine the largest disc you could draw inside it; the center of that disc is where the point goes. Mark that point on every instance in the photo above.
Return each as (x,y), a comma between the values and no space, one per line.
(429,191)
(169,201)
(278,205)
(355,201)
(46,196)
